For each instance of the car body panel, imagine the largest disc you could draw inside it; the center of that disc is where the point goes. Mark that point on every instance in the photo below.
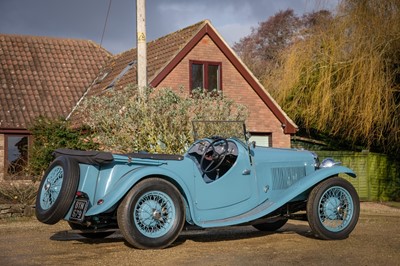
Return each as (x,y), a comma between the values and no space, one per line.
(122,177)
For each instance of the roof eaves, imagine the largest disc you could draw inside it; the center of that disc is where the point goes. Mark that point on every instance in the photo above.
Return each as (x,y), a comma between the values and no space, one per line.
(180,53)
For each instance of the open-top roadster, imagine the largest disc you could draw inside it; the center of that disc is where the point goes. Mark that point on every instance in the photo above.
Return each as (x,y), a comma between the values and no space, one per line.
(219,181)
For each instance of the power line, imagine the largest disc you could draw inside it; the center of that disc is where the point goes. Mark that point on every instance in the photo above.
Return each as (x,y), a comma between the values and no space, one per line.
(105,23)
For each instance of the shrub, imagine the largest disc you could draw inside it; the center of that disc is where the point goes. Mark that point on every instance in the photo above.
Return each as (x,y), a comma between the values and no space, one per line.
(50,134)
(22,193)
(159,122)
(121,122)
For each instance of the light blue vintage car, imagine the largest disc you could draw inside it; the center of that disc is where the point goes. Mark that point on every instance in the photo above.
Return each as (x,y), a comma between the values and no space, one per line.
(220,181)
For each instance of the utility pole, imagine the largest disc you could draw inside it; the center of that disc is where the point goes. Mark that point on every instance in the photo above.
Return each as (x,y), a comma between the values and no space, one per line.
(141,46)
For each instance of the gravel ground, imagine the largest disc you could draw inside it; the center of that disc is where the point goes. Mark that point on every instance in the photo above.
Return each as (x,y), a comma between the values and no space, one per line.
(375,241)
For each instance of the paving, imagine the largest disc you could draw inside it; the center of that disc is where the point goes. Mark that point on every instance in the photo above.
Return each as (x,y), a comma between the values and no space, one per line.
(375,241)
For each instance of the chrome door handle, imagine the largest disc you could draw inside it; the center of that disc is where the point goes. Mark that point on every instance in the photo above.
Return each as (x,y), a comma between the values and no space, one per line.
(246,172)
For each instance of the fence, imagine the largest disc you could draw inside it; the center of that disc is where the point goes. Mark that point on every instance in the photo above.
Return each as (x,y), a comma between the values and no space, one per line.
(378,176)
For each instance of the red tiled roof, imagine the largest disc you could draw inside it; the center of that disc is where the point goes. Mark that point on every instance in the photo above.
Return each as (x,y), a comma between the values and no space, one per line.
(159,53)
(44,76)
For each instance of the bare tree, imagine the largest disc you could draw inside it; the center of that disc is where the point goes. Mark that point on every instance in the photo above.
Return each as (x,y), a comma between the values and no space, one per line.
(260,50)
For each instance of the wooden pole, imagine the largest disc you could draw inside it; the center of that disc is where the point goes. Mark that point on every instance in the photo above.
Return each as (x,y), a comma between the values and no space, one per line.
(141,46)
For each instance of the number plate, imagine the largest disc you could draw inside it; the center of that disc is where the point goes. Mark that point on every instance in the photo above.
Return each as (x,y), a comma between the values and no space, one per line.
(79,210)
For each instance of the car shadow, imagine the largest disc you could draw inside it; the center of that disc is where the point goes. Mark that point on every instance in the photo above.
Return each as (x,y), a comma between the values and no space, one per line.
(195,234)
(239,232)
(70,235)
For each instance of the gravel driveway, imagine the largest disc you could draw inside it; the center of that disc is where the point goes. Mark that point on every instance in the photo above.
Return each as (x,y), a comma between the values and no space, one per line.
(375,241)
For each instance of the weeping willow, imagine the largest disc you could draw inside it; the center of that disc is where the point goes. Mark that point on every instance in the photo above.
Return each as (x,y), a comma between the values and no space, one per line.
(343,78)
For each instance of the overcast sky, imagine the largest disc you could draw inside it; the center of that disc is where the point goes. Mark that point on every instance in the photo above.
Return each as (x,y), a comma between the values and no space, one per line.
(85,19)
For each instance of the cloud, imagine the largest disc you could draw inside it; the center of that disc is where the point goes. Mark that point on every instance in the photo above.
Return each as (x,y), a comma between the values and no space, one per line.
(85,19)
(234,32)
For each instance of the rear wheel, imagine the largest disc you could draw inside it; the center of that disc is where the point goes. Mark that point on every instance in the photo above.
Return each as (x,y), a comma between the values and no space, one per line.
(270,226)
(333,208)
(57,190)
(152,214)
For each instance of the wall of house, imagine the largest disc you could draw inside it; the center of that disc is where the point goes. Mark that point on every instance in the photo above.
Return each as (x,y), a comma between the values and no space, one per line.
(2,159)
(234,86)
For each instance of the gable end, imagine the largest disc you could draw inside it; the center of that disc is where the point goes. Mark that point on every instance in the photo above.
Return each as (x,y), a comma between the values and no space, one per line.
(288,126)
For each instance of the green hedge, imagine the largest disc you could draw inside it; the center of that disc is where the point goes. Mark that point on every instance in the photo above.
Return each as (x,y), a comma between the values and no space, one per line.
(378,175)
(50,134)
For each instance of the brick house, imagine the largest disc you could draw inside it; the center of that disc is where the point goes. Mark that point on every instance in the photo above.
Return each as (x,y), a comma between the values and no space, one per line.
(197,56)
(47,76)
(40,76)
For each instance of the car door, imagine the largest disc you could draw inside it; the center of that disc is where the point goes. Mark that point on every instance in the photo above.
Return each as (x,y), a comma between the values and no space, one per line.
(230,195)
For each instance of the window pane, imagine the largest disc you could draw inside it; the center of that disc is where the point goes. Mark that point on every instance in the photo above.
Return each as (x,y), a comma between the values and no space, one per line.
(197,76)
(213,77)
(17,153)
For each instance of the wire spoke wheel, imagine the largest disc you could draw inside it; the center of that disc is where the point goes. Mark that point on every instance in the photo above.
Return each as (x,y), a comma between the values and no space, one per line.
(154,214)
(57,190)
(51,187)
(333,208)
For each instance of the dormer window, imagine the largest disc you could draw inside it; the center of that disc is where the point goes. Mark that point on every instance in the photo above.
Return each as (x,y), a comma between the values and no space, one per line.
(120,75)
(103,76)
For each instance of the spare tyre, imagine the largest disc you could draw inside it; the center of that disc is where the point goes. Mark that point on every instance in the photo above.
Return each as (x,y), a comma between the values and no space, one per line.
(57,190)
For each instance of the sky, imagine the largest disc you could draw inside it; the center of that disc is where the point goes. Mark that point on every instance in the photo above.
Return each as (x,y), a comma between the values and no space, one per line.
(85,19)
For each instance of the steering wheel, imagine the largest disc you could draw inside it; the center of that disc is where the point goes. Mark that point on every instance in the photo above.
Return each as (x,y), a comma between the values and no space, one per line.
(215,153)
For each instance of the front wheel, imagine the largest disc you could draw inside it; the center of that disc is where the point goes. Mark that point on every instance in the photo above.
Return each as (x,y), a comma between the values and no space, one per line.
(152,214)
(333,208)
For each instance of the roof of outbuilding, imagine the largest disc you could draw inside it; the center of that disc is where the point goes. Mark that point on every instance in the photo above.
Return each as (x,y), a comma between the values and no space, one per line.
(44,76)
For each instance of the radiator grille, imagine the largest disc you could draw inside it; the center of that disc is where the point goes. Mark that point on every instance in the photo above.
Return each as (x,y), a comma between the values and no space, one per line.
(283,178)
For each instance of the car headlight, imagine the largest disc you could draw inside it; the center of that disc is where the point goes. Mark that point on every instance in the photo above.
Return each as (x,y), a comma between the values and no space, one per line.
(316,160)
(328,162)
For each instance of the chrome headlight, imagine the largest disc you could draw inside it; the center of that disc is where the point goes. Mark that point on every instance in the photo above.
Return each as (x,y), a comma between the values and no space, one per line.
(328,162)
(316,160)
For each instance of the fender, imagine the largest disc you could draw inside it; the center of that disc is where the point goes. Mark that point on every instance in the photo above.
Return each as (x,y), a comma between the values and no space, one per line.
(335,170)
(307,183)
(126,182)
(313,179)
(275,200)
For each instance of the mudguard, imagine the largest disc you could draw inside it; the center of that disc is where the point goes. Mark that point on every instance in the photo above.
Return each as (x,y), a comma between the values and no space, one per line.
(309,182)
(126,182)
